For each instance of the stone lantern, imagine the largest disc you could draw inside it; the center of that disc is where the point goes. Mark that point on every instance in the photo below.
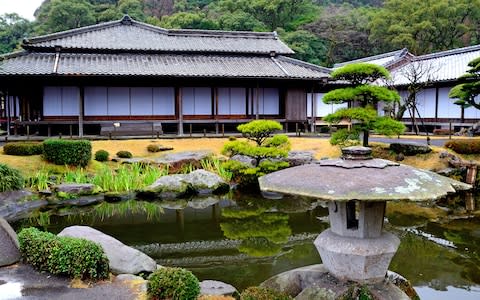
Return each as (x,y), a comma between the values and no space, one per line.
(357,188)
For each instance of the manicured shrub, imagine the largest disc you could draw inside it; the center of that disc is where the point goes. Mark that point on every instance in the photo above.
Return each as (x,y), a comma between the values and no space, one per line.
(464,146)
(153,148)
(74,257)
(173,283)
(10,179)
(101,155)
(23,149)
(67,152)
(345,137)
(124,154)
(259,293)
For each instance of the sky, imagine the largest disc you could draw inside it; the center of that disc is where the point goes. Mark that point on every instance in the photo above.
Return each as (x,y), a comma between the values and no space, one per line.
(25,8)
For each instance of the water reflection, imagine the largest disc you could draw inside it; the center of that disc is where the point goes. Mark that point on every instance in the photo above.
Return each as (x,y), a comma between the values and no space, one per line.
(245,240)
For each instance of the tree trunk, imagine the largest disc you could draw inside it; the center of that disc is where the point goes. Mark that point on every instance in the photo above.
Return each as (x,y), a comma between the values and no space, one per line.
(365,137)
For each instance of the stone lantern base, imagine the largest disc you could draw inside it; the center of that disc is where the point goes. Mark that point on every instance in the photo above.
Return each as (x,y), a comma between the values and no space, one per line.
(357,259)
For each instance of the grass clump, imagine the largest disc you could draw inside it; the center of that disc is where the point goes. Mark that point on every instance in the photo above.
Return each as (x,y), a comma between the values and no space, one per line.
(67,152)
(124,154)
(23,149)
(173,283)
(101,155)
(154,148)
(259,293)
(10,179)
(77,258)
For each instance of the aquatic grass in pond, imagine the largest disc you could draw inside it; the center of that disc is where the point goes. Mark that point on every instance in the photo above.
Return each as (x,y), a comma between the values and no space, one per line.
(215,165)
(107,210)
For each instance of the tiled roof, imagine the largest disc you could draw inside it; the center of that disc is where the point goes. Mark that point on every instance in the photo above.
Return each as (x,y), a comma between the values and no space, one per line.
(384,59)
(130,35)
(168,65)
(440,66)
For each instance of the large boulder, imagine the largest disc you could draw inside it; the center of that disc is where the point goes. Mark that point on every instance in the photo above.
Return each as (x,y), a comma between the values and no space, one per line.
(176,161)
(410,149)
(214,287)
(180,185)
(75,188)
(246,160)
(298,158)
(122,259)
(9,253)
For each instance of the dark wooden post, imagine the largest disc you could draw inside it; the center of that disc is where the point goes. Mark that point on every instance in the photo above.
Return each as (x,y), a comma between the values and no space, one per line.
(81,111)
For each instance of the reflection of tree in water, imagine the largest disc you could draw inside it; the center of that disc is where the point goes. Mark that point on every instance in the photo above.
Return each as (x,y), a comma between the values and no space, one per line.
(262,233)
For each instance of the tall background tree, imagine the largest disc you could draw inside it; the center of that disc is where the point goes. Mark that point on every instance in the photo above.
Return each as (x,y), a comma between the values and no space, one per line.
(13,29)
(362,98)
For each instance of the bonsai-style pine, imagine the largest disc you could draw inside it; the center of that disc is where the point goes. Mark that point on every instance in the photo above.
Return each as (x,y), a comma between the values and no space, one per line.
(467,92)
(362,97)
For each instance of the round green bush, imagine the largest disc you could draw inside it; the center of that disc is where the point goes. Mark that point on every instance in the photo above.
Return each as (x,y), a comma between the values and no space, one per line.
(124,154)
(173,283)
(259,293)
(153,148)
(101,155)
(74,257)
(10,179)
(23,149)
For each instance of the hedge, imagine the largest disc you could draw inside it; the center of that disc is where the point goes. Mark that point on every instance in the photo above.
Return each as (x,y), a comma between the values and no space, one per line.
(464,146)
(124,154)
(174,284)
(101,155)
(67,152)
(23,149)
(74,257)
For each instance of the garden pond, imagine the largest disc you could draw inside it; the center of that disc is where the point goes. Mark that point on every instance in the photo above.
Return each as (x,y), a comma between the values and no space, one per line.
(243,240)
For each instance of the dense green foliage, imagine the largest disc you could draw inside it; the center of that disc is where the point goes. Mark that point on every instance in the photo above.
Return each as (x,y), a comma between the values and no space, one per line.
(265,150)
(320,31)
(173,283)
(23,148)
(363,117)
(464,146)
(124,154)
(467,92)
(260,293)
(101,155)
(67,152)
(10,179)
(73,257)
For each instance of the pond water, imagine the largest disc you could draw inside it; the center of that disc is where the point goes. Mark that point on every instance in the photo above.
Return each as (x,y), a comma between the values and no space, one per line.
(245,240)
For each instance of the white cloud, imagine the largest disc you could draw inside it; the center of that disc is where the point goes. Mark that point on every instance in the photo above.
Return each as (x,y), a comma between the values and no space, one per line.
(24,8)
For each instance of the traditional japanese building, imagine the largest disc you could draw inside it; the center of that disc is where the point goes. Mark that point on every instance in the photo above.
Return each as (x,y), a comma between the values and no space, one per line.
(435,73)
(127,74)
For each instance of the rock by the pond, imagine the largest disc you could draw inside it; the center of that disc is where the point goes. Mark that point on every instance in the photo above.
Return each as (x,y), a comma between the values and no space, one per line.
(214,287)
(316,293)
(16,211)
(14,196)
(83,201)
(75,188)
(176,161)
(246,160)
(180,185)
(205,182)
(295,282)
(122,259)
(409,149)
(9,253)
(298,158)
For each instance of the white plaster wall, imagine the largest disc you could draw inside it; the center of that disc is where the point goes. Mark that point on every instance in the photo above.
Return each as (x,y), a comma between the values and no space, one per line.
(164,101)
(426,103)
(323,109)
(141,101)
(472,112)
(446,106)
(118,101)
(95,102)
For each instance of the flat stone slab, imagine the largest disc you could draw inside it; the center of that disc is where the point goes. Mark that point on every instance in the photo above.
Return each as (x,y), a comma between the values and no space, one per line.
(214,287)
(364,180)
(122,258)
(75,188)
(9,253)
(298,158)
(315,280)
(410,148)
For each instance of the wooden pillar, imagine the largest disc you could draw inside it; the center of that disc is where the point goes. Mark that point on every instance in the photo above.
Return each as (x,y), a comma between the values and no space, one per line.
(81,110)
(436,103)
(314,112)
(257,102)
(471,173)
(7,107)
(178,100)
